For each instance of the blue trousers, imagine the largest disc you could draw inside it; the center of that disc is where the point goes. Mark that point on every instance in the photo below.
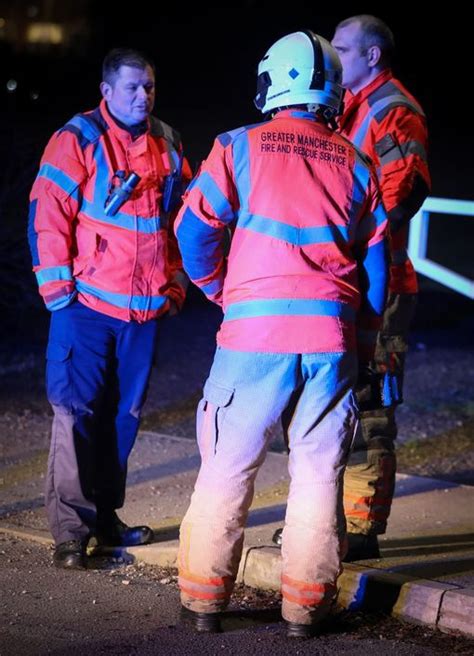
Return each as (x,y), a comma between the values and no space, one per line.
(97,374)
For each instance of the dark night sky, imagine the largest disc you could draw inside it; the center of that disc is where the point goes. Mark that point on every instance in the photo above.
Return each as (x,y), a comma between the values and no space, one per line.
(207,61)
(206,76)
(207,58)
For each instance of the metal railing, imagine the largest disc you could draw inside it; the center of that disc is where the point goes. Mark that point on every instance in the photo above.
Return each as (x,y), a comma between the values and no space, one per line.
(418,243)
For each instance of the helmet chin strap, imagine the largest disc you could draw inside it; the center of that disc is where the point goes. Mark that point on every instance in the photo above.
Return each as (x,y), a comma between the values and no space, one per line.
(326,113)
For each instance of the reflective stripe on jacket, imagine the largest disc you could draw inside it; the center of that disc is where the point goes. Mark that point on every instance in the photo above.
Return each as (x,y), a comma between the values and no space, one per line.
(388,124)
(308,232)
(127,265)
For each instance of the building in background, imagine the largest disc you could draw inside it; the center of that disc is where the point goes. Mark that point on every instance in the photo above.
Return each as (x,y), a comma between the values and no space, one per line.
(45,26)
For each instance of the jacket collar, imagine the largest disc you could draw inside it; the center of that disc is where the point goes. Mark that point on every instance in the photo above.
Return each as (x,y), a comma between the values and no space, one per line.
(123,132)
(352,101)
(296,113)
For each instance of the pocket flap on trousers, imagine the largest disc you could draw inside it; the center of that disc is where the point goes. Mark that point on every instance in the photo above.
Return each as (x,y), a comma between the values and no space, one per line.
(217,394)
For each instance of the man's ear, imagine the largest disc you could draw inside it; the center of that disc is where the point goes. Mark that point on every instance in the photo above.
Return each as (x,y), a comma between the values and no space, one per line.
(373,56)
(106,90)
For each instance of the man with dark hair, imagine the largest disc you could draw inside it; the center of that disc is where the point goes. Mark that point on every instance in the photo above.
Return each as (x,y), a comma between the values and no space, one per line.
(386,122)
(119,57)
(107,265)
(372,32)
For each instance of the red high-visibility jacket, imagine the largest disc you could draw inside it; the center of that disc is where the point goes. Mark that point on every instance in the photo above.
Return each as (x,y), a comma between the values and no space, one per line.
(308,246)
(128,265)
(388,124)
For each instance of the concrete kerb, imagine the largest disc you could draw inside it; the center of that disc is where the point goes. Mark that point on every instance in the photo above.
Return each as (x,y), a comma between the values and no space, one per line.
(422,601)
(444,606)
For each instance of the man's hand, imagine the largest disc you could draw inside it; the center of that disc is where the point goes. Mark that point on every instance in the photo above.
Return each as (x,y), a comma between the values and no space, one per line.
(173,308)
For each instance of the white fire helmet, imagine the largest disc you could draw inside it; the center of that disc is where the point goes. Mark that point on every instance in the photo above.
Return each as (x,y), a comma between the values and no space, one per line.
(301,68)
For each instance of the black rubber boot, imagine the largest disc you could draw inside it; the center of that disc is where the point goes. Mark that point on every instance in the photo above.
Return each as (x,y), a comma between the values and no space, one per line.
(277,537)
(202,622)
(112,532)
(70,554)
(301,631)
(361,547)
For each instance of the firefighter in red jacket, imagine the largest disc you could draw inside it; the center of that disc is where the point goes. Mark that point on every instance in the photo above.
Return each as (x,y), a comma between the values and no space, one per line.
(302,288)
(383,119)
(107,266)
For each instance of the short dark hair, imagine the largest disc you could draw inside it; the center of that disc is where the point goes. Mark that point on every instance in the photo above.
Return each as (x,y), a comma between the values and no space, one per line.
(123,57)
(374,33)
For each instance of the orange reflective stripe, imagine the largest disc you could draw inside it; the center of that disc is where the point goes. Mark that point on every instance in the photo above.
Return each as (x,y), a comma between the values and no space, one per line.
(195,578)
(198,594)
(366,514)
(301,601)
(201,587)
(304,593)
(310,597)
(304,585)
(367,501)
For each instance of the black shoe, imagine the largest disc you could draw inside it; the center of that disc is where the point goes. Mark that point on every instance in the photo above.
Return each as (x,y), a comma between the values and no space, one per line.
(302,631)
(276,537)
(361,547)
(202,622)
(112,532)
(70,554)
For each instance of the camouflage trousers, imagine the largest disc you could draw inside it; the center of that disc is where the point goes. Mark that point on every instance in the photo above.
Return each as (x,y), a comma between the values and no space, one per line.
(369,479)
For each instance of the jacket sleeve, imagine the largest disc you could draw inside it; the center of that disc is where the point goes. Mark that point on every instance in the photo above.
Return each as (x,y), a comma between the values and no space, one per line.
(201,226)
(401,144)
(54,203)
(373,260)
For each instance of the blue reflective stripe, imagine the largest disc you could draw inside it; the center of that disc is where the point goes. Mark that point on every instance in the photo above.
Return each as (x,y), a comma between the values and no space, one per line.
(370,222)
(61,301)
(123,300)
(241,159)
(292,234)
(228,137)
(86,126)
(174,155)
(359,136)
(224,139)
(200,245)
(212,287)
(54,273)
(192,183)
(67,184)
(32,234)
(102,178)
(214,196)
(296,113)
(95,209)
(379,214)
(288,307)
(121,220)
(359,189)
(396,99)
(376,267)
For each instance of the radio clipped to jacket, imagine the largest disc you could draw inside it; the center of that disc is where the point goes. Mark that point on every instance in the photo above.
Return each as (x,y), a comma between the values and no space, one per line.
(121,192)
(173,188)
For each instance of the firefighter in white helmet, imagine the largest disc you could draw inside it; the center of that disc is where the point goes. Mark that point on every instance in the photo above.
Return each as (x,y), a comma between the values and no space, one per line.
(306,270)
